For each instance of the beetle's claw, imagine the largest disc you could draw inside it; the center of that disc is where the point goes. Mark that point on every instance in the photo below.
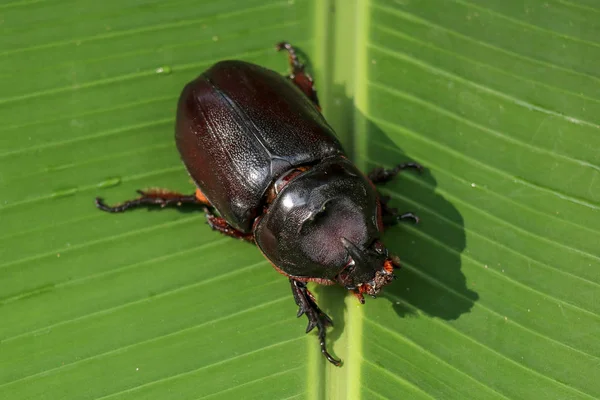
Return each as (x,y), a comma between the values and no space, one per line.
(329,357)
(316,317)
(100,204)
(311,325)
(409,215)
(411,165)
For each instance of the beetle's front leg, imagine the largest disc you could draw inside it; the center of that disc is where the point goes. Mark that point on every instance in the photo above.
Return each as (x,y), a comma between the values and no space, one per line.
(154,197)
(382,175)
(390,216)
(300,78)
(316,317)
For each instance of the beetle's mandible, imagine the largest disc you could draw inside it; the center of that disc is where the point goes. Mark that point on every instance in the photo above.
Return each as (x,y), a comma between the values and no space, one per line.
(270,170)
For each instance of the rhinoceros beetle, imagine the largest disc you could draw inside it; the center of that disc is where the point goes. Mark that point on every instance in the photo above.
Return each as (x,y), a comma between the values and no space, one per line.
(270,170)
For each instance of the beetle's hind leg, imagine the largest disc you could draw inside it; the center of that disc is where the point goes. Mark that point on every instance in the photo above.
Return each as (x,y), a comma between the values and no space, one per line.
(316,317)
(155,197)
(298,76)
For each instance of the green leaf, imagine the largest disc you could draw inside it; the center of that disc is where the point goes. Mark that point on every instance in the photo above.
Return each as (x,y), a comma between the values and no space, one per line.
(498,295)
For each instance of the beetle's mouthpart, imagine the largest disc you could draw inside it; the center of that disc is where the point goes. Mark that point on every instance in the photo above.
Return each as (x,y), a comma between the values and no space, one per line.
(382,277)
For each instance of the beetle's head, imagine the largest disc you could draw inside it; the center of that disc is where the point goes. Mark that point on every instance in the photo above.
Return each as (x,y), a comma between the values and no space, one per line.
(368,269)
(325,226)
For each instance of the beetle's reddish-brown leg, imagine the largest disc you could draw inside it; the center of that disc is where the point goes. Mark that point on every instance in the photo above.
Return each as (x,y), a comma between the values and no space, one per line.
(300,78)
(316,318)
(219,224)
(152,197)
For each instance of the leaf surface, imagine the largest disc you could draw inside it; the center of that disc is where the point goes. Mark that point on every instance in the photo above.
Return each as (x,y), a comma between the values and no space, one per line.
(498,295)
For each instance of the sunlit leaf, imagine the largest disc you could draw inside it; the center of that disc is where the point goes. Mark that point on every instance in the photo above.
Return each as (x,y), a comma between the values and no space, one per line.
(498,295)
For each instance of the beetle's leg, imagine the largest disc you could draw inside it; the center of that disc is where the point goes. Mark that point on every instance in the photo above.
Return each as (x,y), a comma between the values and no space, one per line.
(154,197)
(382,175)
(300,78)
(390,215)
(378,175)
(408,215)
(219,224)
(316,317)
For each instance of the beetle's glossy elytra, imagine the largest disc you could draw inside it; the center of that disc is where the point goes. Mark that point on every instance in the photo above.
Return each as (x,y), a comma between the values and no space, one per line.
(240,126)
(270,170)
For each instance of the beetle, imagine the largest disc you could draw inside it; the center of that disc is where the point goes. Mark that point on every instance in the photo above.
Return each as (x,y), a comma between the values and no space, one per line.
(270,170)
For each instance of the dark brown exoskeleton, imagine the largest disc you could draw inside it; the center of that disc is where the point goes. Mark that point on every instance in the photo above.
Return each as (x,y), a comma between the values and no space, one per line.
(270,170)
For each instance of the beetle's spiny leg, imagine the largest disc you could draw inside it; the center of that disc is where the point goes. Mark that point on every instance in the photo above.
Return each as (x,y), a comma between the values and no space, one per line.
(316,317)
(150,197)
(383,175)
